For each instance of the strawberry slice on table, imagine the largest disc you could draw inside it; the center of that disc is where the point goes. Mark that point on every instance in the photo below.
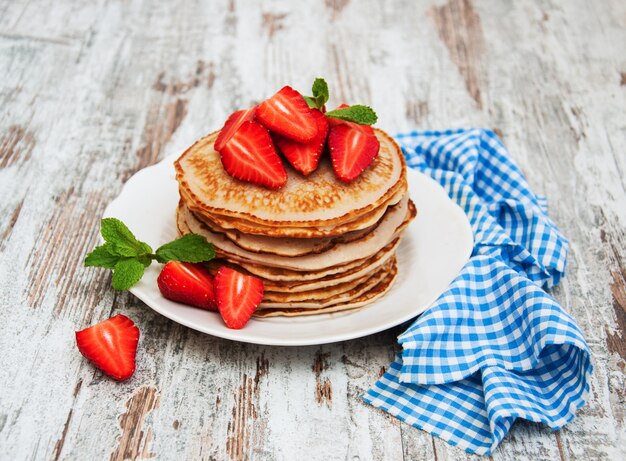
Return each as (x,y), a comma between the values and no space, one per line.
(305,157)
(111,346)
(288,114)
(250,156)
(237,295)
(187,283)
(233,122)
(353,148)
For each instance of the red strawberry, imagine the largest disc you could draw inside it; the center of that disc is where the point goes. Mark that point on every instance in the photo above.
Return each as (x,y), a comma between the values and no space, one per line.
(353,148)
(111,346)
(288,114)
(230,127)
(238,296)
(305,156)
(187,283)
(250,156)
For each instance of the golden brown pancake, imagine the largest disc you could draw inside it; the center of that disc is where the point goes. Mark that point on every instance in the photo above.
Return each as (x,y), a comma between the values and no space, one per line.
(317,200)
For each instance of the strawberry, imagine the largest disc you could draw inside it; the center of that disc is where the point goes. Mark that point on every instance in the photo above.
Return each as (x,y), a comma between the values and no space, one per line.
(250,156)
(353,148)
(230,127)
(111,346)
(187,283)
(288,114)
(237,295)
(305,156)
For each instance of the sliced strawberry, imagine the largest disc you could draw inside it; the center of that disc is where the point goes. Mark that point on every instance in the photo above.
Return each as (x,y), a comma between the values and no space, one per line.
(187,283)
(230,127)
(305,156)
(288,114)
(250,156)
(111,346)
(353,148)
(237,295)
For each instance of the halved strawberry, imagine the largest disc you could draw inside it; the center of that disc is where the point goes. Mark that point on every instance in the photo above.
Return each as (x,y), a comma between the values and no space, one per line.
(288,114)
(237,295)
(111,346)
(353,148)
(305,156)
(187,283)
(250,156)
(233,122)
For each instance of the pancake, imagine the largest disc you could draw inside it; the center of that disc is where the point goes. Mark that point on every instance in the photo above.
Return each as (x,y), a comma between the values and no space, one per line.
(278,275)
(391,225)
(326,292)
(318,200)
(248,227)
(364,299)
(362,270)
(274,245)
(280,245)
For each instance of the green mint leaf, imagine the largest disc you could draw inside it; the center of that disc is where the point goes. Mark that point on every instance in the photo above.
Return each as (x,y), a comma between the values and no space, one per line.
(190,248)
(363,115)
(122,239)
(102,256)
(320,92)
(310,101)
(126,273)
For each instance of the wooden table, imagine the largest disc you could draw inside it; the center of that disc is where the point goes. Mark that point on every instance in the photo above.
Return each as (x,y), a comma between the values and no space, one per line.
(92,92)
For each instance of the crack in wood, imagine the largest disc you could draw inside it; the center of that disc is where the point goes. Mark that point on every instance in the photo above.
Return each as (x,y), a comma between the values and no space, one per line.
(273,22)
(242,428)
(16,146)
(204,74)
(336,7)
(8,230)
(244,410)
(58,446)
(135,440)
(616,342)
(262,368)
(559,444)
(614,241)
(323,387)
(458,26)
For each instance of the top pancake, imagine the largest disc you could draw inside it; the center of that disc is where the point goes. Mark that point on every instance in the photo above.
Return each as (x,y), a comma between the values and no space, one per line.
(317,200)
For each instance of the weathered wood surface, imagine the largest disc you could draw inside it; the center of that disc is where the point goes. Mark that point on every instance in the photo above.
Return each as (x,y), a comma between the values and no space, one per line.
(91,92)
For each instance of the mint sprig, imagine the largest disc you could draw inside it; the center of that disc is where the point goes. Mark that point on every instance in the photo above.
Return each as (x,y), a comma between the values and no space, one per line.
(320,94)
(129,257)
(363,115)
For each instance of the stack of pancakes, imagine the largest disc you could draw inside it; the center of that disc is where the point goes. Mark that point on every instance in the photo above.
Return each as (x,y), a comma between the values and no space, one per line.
(318,244)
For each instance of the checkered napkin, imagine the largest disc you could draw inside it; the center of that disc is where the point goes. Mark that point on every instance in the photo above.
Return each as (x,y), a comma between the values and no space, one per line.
(495,346)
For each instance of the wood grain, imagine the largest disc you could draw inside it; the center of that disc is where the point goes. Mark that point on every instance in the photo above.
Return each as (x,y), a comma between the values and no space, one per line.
(90,93)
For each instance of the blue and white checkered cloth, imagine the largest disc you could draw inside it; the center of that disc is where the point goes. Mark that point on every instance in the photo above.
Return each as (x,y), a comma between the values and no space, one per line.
(495,346)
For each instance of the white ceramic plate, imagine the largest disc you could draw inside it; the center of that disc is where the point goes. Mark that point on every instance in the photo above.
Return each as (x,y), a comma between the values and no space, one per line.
(435,247)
